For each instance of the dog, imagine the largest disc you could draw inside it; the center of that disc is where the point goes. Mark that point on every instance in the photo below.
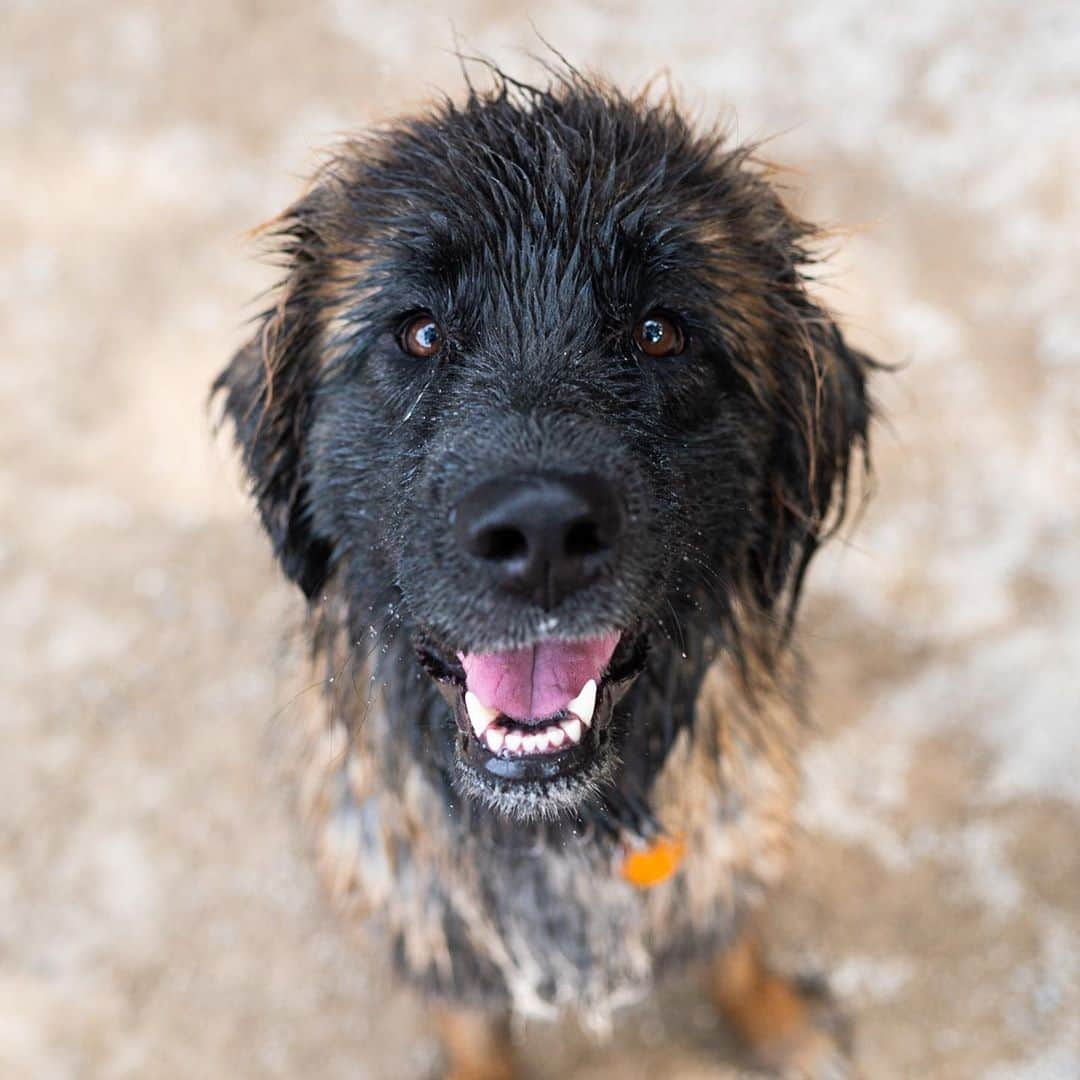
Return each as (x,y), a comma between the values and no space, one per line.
(547,427)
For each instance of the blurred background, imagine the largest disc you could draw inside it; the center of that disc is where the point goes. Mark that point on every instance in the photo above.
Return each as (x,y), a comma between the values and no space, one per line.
(159,913)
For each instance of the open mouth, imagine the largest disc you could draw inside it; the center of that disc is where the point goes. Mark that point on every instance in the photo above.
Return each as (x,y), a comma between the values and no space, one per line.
(539,713)
(501,733)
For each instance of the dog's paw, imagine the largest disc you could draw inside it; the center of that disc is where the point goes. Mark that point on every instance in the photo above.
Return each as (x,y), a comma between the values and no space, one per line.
(820,1048)
(490,1071)
(807,1055)
(478,1045)
(790,1027)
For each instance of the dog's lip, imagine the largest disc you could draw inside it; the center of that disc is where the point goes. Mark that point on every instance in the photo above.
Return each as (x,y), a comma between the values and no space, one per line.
(441,665)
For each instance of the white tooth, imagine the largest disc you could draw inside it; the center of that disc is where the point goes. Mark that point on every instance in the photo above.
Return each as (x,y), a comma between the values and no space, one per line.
(583,705)
(542,741)
(513,741)
(556,736)
(528,744)
(572,729)
(494,737)
(480,716)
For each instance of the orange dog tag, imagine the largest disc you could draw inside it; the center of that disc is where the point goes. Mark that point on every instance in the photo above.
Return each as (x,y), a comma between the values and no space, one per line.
(649,866)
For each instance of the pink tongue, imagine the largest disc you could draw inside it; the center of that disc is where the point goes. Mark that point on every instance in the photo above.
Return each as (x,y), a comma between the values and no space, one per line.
(539,681)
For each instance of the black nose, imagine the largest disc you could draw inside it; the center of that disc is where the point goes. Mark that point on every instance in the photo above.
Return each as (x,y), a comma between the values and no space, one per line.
(543,535)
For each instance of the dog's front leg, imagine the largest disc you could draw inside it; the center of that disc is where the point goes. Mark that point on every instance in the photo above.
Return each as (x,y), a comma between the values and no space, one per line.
(478,1045)
(791,1030)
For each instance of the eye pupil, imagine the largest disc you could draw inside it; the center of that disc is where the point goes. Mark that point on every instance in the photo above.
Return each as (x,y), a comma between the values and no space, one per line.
(652,330)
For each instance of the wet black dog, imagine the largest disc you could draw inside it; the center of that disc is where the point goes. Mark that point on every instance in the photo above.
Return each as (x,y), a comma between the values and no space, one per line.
(547,427)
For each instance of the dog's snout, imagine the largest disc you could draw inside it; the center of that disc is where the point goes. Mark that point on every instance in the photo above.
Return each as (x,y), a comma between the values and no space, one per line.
(542,535)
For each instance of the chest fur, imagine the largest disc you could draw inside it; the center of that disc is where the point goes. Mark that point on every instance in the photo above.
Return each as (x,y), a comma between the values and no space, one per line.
(543,920)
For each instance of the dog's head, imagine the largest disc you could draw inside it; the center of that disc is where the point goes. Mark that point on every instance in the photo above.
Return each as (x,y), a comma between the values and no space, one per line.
(543,389)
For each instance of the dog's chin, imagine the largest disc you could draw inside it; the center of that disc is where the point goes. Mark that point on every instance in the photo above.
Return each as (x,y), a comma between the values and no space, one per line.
(544,768)
(540,798)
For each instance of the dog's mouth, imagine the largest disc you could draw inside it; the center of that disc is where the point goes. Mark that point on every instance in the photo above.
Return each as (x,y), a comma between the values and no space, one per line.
(527,718)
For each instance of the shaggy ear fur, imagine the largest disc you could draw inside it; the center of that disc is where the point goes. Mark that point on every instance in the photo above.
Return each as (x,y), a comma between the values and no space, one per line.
(821,423)
(808,384)
(268,387)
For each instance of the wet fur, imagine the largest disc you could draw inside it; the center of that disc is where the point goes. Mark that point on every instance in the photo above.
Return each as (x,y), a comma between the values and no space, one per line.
(555,927)
(548,214)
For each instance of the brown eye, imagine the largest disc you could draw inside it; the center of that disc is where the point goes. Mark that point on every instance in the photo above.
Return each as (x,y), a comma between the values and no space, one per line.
(657,335)
(421,336)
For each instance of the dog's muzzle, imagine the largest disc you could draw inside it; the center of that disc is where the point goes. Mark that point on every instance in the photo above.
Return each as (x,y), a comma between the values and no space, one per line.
(539,712)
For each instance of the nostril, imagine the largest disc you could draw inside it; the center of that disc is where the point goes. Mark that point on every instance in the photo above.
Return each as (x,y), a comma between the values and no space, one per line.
(501,544)
(583,539)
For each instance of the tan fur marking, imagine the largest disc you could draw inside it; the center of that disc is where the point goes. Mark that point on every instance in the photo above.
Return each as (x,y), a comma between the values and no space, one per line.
(478,1045)
(770,1016)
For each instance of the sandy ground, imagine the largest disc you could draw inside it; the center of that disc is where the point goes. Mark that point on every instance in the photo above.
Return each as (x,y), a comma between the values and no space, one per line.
(160,915)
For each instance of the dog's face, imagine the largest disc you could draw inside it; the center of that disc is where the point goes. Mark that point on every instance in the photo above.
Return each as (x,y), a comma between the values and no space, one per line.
(544,390)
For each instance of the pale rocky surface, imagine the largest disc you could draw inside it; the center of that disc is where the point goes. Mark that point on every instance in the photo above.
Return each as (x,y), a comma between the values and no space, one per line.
(161,915)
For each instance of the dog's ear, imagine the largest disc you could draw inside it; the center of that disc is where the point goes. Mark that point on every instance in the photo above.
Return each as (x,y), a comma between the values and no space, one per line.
(820,411)
(268,388)
(807,385)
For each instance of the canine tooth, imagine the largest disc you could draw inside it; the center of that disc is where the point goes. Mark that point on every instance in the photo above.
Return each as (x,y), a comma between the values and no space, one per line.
(513,741)
(528,744)
(572,729)
(583,705)
(556,737)
(494,737)
(480,716)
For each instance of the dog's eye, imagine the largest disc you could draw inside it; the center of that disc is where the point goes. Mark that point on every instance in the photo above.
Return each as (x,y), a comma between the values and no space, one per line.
(659,335)
(421,336)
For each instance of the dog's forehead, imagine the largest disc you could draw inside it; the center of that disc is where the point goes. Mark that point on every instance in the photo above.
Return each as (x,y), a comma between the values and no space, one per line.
(555,221)
(541,195)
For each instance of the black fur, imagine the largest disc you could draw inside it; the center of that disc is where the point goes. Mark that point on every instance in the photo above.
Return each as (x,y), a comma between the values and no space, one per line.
(537,225)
